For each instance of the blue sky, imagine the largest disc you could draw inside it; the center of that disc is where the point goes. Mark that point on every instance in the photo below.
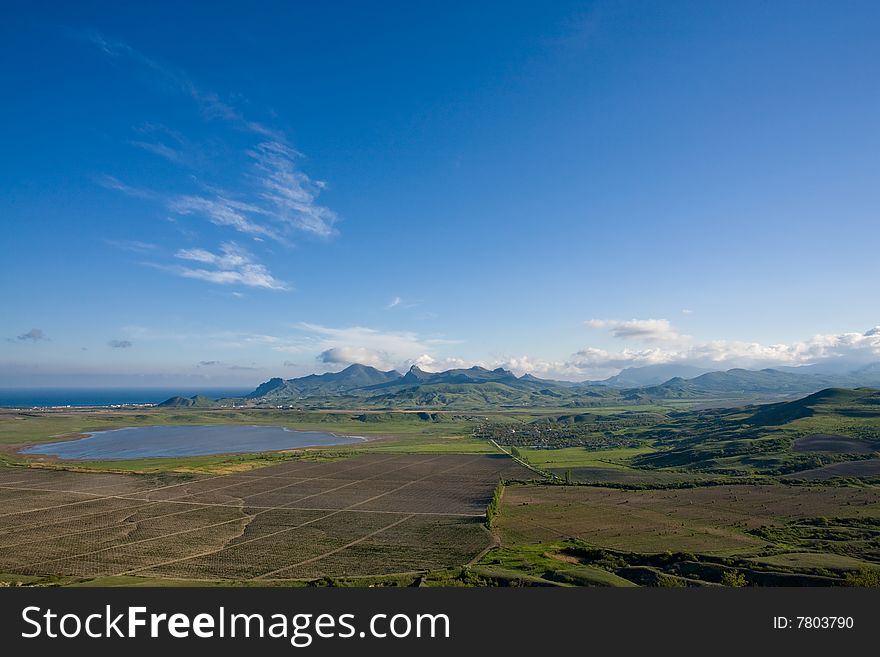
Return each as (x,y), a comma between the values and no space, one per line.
(193,196)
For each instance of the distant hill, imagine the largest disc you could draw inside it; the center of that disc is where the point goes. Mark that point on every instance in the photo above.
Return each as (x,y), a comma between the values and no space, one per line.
(352,377)
(466,388)
(733,383)
(652,375)
(833,367)
(416,376)
(837,400)
(471,375)
(362,386)
(268,388)
(196,401)
(742,383)
(564,384)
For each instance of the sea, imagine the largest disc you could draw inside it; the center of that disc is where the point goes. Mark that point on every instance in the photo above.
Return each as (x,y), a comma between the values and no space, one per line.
(48,397)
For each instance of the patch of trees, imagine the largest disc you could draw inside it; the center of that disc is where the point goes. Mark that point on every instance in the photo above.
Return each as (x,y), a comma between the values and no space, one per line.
(494,504)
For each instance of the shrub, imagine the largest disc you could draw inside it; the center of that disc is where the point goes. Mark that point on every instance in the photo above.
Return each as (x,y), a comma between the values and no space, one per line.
(734,578)
(869,577)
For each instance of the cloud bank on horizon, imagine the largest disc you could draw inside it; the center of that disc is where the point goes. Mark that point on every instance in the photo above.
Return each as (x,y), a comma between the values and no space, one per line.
(649,342)
(400,351)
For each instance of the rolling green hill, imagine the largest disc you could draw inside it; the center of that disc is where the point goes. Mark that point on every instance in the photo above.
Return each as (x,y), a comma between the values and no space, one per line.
(829,401)
(760,439)
(488,394)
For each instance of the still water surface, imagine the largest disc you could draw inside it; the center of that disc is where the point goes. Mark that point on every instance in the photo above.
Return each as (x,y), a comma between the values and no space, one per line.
(176,440)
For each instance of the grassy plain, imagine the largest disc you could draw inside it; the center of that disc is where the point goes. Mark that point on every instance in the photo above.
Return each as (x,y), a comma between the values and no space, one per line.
(580,457)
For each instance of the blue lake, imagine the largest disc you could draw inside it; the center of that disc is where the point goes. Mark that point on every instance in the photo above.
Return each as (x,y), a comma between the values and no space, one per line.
(175,440)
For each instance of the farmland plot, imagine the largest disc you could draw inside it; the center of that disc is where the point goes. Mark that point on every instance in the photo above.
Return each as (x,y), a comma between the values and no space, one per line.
(368,515)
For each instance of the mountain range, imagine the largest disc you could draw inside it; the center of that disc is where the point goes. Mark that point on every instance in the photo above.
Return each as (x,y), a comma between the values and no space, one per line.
(477,387)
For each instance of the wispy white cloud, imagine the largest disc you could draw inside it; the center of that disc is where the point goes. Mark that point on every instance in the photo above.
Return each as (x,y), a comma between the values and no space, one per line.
(217,208)
(400,302)
(171,145)
(111,182)
(290,194)
(210,103)
(283,201)
(275,197)
(283,195)
(230,257)
(160,149)
(133,245)
(222,212)
(232,266)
